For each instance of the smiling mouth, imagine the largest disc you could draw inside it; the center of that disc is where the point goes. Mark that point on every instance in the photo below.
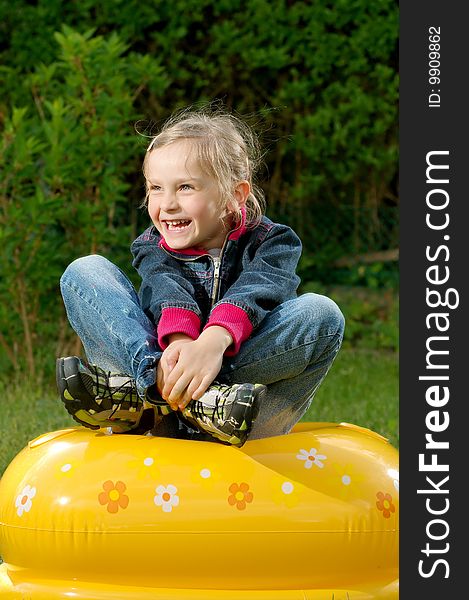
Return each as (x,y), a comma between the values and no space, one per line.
(177,224)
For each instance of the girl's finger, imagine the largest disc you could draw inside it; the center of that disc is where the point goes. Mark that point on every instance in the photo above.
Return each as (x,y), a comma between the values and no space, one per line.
(202,388)
(171,360)
(164,368)
(184,401)
(170,381)
(159,377)
(179,388)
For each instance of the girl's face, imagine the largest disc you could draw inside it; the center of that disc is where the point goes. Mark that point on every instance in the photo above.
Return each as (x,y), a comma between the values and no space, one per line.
(183,201)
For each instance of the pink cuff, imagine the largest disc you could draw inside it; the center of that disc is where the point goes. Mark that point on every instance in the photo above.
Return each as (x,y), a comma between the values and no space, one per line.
(177,320)
(233,319)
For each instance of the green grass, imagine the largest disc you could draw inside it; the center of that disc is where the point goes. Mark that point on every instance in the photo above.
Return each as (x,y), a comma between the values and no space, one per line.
(26,412)
(361,388)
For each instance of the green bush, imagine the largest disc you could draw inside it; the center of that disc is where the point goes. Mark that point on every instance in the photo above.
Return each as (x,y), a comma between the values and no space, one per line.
(65,163)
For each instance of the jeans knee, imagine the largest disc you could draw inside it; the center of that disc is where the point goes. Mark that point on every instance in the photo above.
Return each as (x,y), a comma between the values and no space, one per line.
(323,310)
(83,268)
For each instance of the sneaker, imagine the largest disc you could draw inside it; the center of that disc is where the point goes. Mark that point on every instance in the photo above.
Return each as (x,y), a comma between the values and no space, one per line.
(226,412)
(96,398)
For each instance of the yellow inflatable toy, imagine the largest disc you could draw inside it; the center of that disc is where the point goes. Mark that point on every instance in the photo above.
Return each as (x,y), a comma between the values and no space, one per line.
(312,515)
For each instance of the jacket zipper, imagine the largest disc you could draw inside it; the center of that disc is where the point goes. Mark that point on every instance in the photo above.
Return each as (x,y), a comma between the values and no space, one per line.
(216,270)
(216,260)
(216,278)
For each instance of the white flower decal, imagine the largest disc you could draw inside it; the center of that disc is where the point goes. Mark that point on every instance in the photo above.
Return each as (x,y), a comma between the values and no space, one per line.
(311,458)
(24,501)
(166,497)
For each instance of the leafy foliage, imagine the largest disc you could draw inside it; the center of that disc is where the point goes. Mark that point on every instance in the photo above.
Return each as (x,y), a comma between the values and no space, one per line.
(64,166)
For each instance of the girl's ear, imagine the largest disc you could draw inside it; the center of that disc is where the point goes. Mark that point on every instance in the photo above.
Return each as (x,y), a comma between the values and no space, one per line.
(241,193)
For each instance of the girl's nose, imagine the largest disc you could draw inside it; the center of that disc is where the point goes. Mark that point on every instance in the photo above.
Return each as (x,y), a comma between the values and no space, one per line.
(169,201)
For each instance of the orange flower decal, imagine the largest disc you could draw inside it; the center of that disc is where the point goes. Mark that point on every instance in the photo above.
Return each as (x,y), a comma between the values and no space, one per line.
(240,494)
(385,504)
(114,496)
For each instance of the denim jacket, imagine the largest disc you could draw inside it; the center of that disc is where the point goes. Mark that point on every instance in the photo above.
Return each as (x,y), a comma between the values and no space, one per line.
(188,290)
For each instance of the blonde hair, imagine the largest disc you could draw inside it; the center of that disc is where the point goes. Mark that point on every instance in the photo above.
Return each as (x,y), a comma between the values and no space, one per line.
(226,148)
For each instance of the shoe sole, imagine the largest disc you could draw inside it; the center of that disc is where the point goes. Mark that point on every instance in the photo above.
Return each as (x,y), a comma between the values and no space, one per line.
(64,369)
(250,415)
(238,436)
(67,374)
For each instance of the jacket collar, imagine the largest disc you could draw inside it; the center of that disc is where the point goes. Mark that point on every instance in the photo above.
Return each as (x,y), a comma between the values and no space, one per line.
(234,234)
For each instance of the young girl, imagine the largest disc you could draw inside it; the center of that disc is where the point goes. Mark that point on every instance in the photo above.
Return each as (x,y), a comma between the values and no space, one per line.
(216,338)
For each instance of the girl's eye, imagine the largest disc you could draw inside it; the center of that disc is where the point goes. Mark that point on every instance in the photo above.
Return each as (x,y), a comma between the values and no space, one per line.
(186,186)
(155,188)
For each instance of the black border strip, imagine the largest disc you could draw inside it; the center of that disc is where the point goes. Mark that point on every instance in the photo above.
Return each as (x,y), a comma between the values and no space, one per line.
(433,258)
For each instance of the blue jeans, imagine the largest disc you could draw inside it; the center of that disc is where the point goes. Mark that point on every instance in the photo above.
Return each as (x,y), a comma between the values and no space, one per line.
(290,352)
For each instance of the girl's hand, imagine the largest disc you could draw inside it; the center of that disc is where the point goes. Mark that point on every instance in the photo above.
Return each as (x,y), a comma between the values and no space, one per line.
(191,366)
(169,360)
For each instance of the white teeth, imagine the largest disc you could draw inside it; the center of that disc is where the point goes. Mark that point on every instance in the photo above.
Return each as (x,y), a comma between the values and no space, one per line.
(177,222)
